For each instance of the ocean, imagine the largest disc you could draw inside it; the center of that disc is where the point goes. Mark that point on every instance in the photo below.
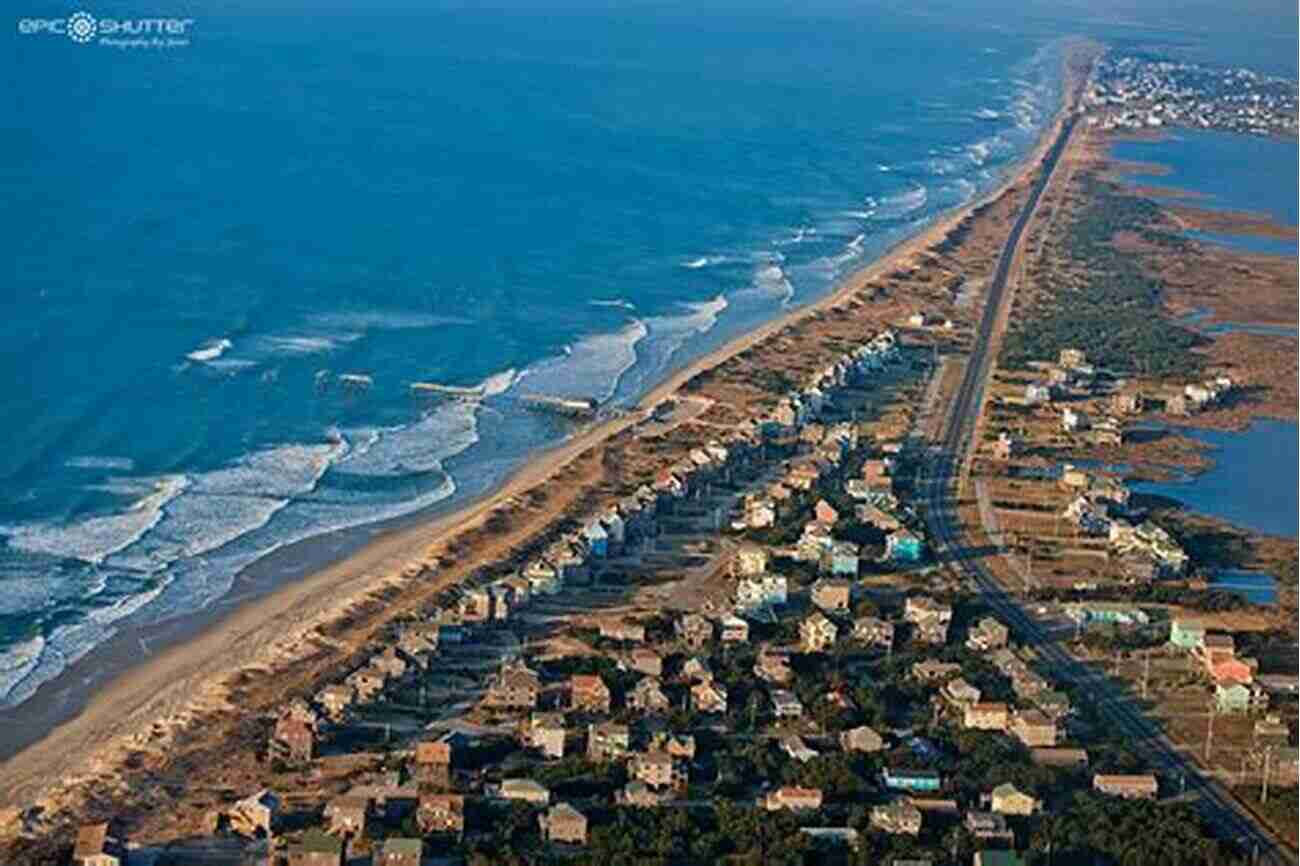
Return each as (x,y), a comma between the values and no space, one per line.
(229,260)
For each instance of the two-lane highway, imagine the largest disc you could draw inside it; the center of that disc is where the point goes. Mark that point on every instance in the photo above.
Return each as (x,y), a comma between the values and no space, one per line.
(1220,810)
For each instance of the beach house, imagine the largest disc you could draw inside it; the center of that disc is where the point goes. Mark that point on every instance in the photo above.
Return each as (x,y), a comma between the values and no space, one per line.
(709,697)
(874,632)
(899,817)
(563,823)
(1186,634)
(750,560)
(597,539)
(901,779)
(546,733)
(832,595)
(794,799)
(525,791)
(861,739)
(817,633)
(96,846)
(1129,787)
(441,813)
(588,692)
(607,741)
(1007,799)
(317,848)
(645,660)
(648,696)
(844,559)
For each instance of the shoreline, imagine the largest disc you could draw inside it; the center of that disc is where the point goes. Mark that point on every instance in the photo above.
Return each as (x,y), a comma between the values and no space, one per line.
(205,648)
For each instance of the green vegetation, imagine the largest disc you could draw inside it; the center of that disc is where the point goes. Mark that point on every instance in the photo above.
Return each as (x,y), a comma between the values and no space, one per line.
(1096,829)
(1104,303)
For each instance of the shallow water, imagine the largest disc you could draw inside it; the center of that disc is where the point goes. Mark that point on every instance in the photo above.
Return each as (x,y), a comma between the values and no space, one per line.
(1232,172)
(1253,480)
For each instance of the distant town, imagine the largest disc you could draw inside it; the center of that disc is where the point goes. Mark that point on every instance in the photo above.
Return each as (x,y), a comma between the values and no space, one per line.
(1140,92)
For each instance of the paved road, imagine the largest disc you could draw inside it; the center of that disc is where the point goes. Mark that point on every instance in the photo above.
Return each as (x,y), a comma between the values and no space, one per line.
(1224,814)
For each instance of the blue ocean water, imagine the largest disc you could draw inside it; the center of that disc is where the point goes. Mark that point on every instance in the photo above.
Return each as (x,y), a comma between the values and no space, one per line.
(222,237)
(1232,172)
(211,247)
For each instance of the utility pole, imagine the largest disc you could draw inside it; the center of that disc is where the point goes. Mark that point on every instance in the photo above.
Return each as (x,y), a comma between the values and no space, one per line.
(1209,736)
(1263,793)
(1146,672)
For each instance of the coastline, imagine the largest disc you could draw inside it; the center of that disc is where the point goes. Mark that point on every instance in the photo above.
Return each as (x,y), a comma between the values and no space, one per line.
(203,650)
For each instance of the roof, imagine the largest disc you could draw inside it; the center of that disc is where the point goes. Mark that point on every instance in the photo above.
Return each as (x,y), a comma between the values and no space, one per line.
(453,802)
(1006,789)
(348,801)
(998,858)
(1033,718)
(317,841)
(90,840)
(407,847)
(521,785)
(1122,781)
(565,811)
(916,774)
(433,753)
(989,707)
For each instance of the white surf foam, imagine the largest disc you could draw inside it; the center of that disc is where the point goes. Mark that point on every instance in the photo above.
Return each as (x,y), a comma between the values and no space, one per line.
(499,383)
(210,351)
(17,663)
(589,368)
(225,504)
(305,344)
(24,667)
(383,320)
(91,461)
(95,539)
(903,203)
(614,302)
(800,235)
(704,262)
(666,336)
(280,472)
(393,452)
(770,281)
(988,114)
(979,152)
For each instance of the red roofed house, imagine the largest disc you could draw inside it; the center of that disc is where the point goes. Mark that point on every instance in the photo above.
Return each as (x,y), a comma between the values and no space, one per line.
(794,799)
(433,763)
(588,692)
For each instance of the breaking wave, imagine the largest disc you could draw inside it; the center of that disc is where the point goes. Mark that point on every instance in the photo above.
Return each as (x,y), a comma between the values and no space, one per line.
(590,368)
(902,204)
(210,351)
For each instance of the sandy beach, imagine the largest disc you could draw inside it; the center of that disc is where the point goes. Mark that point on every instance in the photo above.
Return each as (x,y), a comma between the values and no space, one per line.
(163,677)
